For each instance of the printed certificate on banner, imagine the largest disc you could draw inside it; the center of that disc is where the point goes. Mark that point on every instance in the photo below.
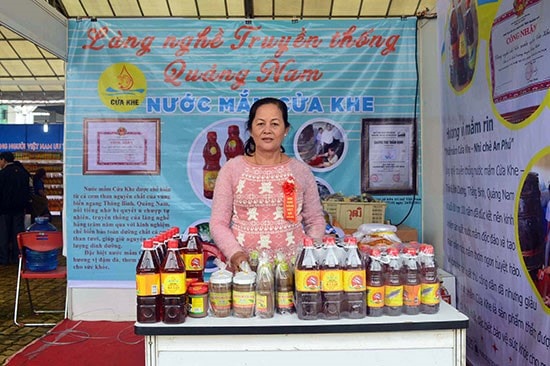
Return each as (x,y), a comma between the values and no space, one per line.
(388,157)
(121,146)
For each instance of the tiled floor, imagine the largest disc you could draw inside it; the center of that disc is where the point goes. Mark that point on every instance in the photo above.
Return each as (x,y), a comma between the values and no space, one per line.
(51,293)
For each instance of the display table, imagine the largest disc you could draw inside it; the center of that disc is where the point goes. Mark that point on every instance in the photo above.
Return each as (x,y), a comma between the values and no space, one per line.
(437,339)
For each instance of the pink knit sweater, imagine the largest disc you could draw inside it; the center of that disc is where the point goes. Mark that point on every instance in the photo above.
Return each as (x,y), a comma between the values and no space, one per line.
(247,208)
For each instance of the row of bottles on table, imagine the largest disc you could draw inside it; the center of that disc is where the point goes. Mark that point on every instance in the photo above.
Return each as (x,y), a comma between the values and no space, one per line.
(274,286)
(165,266)
(402,281)
(190,249)
(261,293)
(333,282)
(330,282)
(330,285)
(211,153)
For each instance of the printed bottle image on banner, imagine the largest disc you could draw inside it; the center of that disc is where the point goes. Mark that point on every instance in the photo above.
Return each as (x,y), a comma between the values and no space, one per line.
(461,41)
(211,149)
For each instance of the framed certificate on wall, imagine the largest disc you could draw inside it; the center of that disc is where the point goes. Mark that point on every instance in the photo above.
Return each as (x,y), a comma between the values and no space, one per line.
(121,146)
(388,156)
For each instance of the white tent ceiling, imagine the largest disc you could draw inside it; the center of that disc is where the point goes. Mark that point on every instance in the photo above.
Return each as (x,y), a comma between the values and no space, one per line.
(32,70)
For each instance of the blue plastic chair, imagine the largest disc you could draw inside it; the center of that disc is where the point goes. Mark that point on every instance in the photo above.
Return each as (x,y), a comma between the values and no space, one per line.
(39,243)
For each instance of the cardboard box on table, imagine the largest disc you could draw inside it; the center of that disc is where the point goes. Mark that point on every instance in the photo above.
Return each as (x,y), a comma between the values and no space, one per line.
(349,215)
(407,233)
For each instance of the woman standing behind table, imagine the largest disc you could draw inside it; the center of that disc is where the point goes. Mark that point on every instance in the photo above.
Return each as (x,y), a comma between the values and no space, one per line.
(265,200)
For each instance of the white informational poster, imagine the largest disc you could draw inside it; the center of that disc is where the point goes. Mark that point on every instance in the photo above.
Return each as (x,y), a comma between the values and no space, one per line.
(496,133)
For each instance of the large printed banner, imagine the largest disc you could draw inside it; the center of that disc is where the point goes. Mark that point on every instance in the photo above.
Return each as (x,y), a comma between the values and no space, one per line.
(150,102)
(496,123)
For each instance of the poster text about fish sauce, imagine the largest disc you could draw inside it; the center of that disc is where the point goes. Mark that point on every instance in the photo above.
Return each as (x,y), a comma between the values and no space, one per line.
(111,221)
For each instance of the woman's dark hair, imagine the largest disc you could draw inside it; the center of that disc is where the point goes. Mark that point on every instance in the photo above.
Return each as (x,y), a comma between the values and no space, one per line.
(250,146)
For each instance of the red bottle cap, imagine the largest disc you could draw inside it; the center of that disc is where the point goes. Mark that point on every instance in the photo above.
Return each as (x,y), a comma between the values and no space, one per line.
(193,230)
(350,240)
(329,240)
(173,243)
(375,252)
(308,242)
(427,249)
(393,251)
(147,244)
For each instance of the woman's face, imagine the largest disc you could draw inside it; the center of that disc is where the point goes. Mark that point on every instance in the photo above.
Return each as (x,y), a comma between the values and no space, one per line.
(268,128)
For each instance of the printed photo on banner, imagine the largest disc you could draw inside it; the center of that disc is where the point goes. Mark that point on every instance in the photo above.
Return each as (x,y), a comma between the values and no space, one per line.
(533,224)
(320,143)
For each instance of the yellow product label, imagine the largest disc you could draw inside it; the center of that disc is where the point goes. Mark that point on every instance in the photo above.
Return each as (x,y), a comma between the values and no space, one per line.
(462,47)
(193,262)
(220,301)
(210,180)
(430,293)
(411,295)
(355,281)
(307,281)
(332,280)
(197,305)
(375,296)
(243,300)
(173,283)
(261,302)
(148,284)
(285,299)
(393,295)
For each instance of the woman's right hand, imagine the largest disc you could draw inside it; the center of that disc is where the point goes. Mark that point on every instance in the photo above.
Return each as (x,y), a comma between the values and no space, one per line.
(237,259)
